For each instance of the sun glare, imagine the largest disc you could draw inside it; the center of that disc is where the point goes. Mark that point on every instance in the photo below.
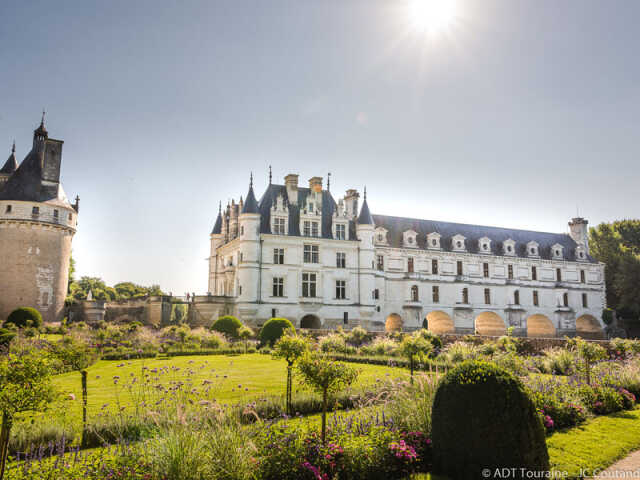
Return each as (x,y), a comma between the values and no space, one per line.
(432,16)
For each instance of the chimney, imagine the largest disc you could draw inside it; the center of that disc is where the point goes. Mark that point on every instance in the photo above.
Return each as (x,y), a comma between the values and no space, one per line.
(291,183)
(579,231)
(351,202)
(315,184)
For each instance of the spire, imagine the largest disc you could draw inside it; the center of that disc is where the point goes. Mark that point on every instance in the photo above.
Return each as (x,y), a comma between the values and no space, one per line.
(217,227)
(270,175)
(328,181)
(42,129)
(365,217)
(11,165)
(250,204)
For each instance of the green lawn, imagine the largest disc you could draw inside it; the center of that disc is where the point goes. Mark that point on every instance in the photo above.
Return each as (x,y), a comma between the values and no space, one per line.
(234,379)
(596,444)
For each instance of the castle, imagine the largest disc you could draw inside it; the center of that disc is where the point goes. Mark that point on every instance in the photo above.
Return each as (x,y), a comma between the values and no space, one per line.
(37,224)
(299,254)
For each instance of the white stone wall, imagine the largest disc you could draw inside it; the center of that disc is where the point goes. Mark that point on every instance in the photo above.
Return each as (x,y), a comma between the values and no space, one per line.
(20,210)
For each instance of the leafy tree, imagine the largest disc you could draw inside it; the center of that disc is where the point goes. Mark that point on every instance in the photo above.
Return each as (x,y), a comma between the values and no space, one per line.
(178,313)
(25,317)
(72,269)
(273,329)
(590,352)
(327,377)
(415,347)
(26,386)
(290,347)
(244,334)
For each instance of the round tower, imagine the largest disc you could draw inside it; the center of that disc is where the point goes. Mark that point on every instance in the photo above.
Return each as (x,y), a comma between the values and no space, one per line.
(249,234)
(365,229)
(37,224)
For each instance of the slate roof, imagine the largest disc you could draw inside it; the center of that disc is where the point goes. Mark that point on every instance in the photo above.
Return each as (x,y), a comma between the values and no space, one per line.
(11,165)
(26,183)
(365,215)
(250,204)
(328,208)
(396,226)
(217,227)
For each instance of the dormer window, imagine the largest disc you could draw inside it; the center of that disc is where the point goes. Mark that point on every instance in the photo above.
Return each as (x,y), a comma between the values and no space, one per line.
(410,238)
(310,229)
(8,209)
(457,243)
(35,211)
(433,240)
(310,208)
(340,231)
(581,254)
(532,249)
(380,235)
(279,226)
(484,245)
(509,247)
(557,251)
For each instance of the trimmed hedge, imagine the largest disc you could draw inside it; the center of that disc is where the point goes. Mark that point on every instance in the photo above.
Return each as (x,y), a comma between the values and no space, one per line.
(219,351)
(25,317)
(273,329)
(483,418)
(227,325)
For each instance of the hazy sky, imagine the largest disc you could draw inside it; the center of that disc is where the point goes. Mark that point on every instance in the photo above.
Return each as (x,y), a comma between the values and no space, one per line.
(518,114)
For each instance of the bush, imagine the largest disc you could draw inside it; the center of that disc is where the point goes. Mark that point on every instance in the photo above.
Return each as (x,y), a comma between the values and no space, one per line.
(484,418)
(273,329)
(227,325)
(6,336)
(25,317)
(432,338)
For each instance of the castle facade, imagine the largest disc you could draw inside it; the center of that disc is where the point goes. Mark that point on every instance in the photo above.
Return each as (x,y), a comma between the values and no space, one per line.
(299,254)
(37,224)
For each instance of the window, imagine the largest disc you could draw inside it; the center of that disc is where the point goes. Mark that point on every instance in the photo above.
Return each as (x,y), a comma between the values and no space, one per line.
(306,231)
(485,246)
(56,215)
(510,271)
(582,277)
(487,296)
(434,266)
(459,264)
(241,256)
(310,254)
(340,232)
(376,294)
(278,256)
(35,211)
(314,229)
(242,230)
(70,216)
(565,299)
(536,302)
(414,293)
(380,237)
(410,264)
(310,208)
(278,287)
(273,313)
(239,289)
(45,299)
(435,293)
(341,260)
(434,242)
(309,285)
(341,291)
(8,209)
(345,318)
(485,270)
(465,295)
(410,240)
(534,273)
(558,275)
(380,261)
(585,303)
(278,226)
(516,297)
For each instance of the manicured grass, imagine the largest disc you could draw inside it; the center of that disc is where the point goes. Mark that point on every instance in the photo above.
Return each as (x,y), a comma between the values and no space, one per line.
(234,379)
(596,444)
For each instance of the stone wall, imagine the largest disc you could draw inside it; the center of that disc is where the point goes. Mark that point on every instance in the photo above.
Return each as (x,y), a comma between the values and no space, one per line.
(34,267)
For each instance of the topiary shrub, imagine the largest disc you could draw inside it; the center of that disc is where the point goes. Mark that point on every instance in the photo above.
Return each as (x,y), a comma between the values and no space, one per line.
(6,336)
(273,329)
(25,317)
(484,419)
(227,325)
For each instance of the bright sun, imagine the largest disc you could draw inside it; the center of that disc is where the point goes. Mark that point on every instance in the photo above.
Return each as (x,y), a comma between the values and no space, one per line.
(432,16)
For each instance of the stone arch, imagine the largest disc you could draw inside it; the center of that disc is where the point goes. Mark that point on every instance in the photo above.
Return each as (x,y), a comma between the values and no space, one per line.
(587,326)
(311,322)
(394,323)
(490,324)
(440,322)
(539,325)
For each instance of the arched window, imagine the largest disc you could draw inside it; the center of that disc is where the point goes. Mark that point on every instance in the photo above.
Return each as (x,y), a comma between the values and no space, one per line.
(414,293)
(516,297)
(565,299)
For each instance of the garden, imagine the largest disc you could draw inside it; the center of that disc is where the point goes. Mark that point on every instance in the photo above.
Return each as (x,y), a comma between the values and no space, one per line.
(131,402)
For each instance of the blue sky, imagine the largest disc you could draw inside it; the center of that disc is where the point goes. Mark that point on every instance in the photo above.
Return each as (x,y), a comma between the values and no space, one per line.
(519,113)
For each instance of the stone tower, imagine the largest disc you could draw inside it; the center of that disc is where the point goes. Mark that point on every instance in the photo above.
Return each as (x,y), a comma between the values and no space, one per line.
(37,223)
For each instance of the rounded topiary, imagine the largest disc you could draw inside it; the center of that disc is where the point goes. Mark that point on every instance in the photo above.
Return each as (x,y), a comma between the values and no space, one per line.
(483,419)
(25,317)
(227,325)
(273,329)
